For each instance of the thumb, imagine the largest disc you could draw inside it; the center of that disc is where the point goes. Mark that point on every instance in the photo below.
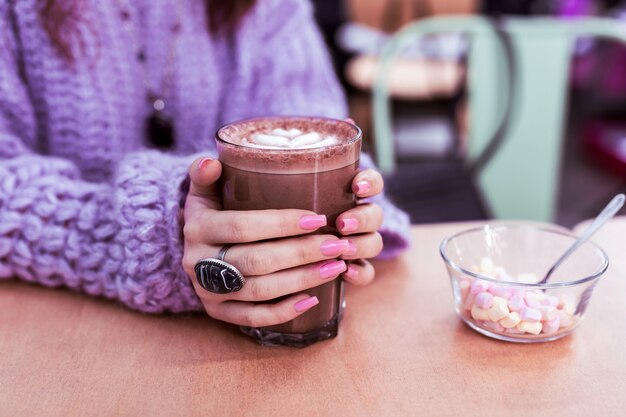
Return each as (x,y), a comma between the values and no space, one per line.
(204,173)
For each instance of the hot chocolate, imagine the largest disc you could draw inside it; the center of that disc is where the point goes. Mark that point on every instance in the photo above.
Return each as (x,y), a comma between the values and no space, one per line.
(293,162)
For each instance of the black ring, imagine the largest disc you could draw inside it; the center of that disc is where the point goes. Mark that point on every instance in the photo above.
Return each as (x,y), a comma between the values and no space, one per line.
(218,276)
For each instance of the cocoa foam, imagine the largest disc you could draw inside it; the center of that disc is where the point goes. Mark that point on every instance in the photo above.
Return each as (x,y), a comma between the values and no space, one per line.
(285,147)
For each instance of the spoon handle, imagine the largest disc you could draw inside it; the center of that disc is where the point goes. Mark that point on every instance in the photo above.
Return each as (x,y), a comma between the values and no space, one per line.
(607,213)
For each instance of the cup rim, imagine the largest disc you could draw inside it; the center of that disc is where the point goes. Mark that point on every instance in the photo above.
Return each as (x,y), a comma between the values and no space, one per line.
(358,132)
(594,276)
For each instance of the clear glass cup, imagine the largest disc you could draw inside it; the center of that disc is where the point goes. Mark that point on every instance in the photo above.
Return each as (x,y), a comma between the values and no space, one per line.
(495,272)
(317,179)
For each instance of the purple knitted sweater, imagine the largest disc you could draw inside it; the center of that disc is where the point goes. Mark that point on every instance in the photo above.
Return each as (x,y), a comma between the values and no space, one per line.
(83,203)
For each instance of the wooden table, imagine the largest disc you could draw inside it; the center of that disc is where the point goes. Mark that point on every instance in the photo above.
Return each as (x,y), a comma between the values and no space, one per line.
(401,351)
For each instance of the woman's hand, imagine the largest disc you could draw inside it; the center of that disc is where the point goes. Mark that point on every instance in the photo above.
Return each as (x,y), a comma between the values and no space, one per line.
(360,226)
(292,262)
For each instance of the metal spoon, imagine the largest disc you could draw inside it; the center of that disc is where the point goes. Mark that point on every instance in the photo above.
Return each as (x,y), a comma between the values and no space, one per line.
(605,215)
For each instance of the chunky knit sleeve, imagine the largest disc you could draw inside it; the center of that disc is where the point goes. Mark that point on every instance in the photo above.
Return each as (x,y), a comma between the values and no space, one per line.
(285,69)
(118,239)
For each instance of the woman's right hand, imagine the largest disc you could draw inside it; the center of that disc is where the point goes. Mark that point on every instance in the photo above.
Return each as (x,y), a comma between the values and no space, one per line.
(293,261)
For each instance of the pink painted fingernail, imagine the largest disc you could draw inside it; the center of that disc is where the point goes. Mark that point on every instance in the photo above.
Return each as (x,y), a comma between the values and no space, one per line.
(348,225)
(351,249)
(332,269)
(312,222)
(204,162)
(352,273)
(334,247)
(304,305)
(362,187)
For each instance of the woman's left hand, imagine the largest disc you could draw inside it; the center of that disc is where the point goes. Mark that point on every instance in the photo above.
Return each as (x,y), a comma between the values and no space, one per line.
(361,224)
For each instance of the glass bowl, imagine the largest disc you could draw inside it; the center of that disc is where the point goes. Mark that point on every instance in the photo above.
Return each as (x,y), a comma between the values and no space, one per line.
(495,272)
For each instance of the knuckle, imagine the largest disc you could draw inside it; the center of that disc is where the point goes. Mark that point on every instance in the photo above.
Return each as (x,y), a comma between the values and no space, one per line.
(236,229)
(255,263)
(188,264)
(190,231)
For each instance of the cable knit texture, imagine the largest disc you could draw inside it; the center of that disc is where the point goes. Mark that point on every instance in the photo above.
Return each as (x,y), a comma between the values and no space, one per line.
(83,202)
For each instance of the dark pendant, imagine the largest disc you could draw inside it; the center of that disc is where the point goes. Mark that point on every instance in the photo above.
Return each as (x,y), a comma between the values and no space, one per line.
(160,130)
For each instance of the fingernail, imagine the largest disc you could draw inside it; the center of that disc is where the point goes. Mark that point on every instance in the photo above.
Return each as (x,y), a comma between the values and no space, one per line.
(332,269)
(304,305)
(362,187)
(334,247)
(351,250)
(204,162)
(312,222)
(348,225)
(352,273)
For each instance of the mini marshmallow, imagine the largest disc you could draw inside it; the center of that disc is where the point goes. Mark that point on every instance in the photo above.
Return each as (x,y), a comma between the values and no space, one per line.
(516,303)
(511,320)
(513,330)
(529,327)
(484,300)
(469,301)
(499,309)
(551,326)
(479,286)
(550,300)
(567,303)
(501,291)
(493,326)
(565,319)
(534,299)
(479,313)
(547,312)
(530,314)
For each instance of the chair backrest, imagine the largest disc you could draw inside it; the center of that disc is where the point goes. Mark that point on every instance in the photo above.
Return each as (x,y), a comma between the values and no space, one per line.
(521,180)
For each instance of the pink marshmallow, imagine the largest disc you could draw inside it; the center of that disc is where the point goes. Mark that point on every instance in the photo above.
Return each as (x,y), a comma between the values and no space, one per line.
(513,330)
(547,312)
(533,299)
(530,314)
(550,301)
(501,291)
(551,326)
(492,325)
(519,292)
(479,286)
(484,300)
(516,303)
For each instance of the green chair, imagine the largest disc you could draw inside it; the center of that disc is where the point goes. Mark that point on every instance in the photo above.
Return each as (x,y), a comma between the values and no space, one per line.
(521,179)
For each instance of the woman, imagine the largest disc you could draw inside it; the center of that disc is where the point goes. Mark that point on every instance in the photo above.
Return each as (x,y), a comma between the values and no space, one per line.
(103,106)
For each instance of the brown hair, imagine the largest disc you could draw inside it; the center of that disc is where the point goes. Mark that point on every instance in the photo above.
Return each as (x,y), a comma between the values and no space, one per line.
(60,18)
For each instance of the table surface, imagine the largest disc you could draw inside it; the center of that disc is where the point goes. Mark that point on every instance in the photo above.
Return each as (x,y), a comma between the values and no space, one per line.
(401,351)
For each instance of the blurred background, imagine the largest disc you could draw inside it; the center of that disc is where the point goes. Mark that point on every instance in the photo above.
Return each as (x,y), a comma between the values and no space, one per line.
(487,109)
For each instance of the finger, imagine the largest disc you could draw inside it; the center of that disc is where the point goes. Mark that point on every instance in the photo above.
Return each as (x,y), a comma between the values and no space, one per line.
(359,272)
(252,225)
(261,315)
(367,245)
(367,183)
(204,173)
(262,258)
(289,281)
(364,218)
